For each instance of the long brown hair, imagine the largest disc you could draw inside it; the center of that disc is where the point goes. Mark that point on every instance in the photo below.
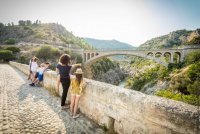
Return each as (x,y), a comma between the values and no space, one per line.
(79,78)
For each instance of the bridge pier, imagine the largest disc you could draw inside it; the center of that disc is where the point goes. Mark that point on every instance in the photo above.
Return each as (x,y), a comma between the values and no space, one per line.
(172,58)
(88,56)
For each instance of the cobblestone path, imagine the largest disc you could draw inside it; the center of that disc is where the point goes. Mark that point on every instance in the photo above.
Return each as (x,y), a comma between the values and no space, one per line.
(26,110)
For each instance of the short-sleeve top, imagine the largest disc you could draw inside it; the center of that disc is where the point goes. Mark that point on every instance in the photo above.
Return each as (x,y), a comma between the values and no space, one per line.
(33,66)
(64,71)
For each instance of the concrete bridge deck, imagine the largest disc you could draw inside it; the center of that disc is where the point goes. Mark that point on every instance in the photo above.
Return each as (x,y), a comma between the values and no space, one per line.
(25,109)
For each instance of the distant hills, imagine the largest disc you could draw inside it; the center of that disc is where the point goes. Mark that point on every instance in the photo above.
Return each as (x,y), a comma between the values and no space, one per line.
(174,39)
(27,32)
(108,44)
(55,34)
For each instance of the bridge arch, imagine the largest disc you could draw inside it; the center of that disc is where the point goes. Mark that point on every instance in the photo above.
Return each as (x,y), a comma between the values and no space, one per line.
(167,56)
(150,54)
(100,56)
(158,54)
(177,57)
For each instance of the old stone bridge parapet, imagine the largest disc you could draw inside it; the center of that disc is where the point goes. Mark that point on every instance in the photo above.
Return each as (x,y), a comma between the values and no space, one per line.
(127,111)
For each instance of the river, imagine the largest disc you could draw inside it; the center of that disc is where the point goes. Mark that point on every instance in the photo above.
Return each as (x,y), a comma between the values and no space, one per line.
(122,83)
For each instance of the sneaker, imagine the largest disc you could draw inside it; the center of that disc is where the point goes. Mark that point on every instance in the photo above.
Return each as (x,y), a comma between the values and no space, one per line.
(32,84)
(64,107)
(76,116)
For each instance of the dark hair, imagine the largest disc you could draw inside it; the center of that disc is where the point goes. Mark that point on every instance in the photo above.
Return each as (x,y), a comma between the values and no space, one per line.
(35,59)
(64,59)
(47,63)
(79,77)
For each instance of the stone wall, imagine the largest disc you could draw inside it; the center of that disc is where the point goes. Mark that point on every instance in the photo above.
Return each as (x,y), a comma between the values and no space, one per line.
(129,112)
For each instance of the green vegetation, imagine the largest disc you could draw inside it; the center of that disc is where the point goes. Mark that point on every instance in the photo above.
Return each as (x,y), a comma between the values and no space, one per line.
(22,59)
(152,75)
(183,78)
(46,52)
(10,41)
(174,39)
(174,66)
(6,55)
(193,57)
(185,82)
(36,32)
(106,70)
(190,99)
(13,49)
(103,65)
(195,40)
(76,57)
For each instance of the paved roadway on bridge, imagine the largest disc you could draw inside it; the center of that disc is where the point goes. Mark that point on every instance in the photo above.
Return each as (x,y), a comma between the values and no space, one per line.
(26,110)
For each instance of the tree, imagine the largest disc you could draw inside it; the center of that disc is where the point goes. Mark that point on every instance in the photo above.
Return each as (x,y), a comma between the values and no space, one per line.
(12,24)
(76,57)
(1,25)
(13,49)
(9,24)
(6,55)
(47,52)
(21,23)
(192,57)
(28,23)
(36,22)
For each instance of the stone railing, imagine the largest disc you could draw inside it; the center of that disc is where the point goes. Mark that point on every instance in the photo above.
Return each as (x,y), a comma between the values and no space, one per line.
(126,111)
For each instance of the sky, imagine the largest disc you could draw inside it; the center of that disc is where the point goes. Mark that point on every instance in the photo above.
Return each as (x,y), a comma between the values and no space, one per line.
(130,21)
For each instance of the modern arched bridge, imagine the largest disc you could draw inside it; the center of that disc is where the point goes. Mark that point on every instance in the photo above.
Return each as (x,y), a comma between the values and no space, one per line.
(158,55)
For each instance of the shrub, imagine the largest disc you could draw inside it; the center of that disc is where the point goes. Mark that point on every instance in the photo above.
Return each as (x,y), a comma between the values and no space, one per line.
(76,57)
(194,72)
(6,55)
(173,66)
(192,57)
(180,83)
(13,49)
(22,59)
(151,75)
(10,41)
(194,88)
(47,52)
(190,99)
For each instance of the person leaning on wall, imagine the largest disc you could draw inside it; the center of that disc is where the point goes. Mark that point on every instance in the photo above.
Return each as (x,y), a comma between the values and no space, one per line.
(63,70)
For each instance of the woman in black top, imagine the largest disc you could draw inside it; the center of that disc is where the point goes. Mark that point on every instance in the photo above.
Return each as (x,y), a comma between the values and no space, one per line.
(63,68)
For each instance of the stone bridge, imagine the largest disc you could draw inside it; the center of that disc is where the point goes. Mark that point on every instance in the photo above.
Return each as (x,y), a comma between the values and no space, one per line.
(157,55)
(115,108)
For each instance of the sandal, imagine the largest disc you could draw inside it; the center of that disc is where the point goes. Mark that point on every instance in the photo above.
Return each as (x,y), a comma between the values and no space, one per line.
(70,113)
(76,116)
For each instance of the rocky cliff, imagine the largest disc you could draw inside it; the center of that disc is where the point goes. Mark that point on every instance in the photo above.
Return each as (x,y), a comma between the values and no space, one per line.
(173,39)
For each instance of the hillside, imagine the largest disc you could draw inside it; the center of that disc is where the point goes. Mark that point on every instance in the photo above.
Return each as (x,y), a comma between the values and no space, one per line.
(108,44)
(47,33)
(174,39)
